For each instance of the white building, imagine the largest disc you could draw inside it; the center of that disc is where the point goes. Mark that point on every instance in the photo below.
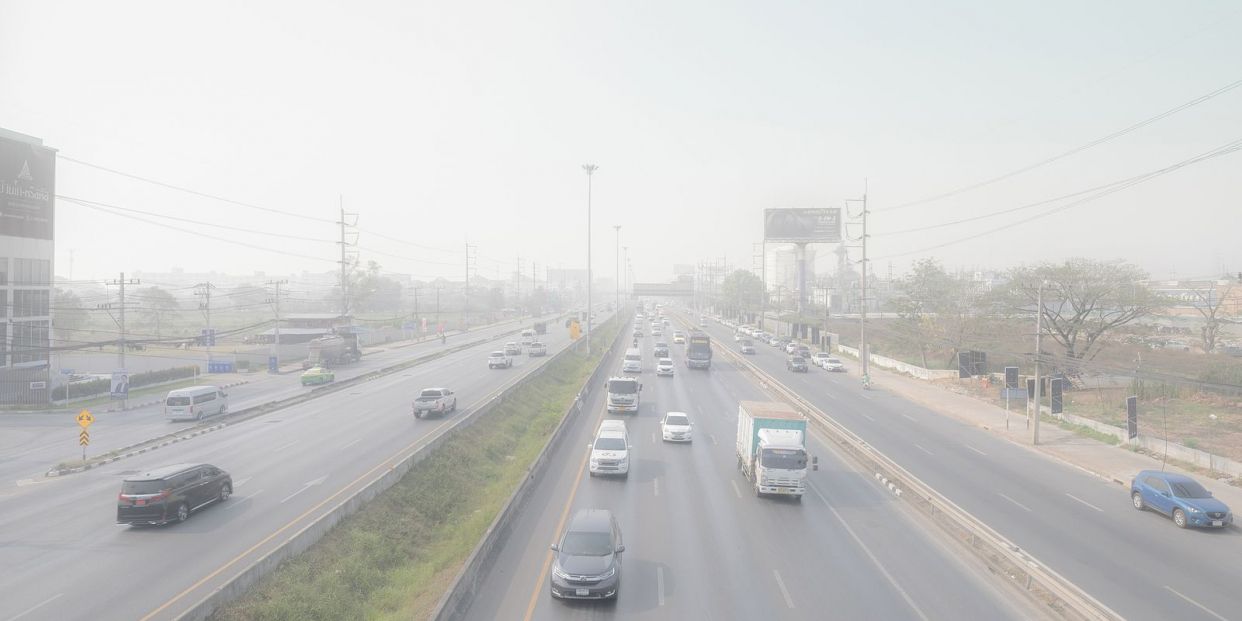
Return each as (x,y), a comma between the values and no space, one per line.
(27,188)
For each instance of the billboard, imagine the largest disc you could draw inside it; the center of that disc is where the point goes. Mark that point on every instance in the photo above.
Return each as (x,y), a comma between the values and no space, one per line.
(27,184)
(802,225)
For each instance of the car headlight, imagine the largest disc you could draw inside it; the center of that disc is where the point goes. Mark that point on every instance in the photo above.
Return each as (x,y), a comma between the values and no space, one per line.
(556,571)
(612,571)
(1193,509)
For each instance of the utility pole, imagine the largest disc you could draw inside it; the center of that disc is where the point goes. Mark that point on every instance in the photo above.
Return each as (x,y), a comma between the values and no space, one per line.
(625,274)
(120,352)
(590,171)
(203,290)
(863,354)
(274,357)
(418,325)
(1039,329)
(438,308)
(465,316)
(616,278)
(517,286)
(345,261)
(534,285)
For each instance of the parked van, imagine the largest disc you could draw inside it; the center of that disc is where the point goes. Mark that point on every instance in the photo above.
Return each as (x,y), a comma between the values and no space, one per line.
(633,361)
(195,403)
(610,452)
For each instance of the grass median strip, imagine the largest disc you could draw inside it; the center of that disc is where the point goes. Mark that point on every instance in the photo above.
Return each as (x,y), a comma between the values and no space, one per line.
(394,558)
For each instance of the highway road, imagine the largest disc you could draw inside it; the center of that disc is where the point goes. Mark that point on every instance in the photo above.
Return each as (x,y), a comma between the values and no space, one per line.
(65,558)
(31,443)
(1137,563)
(700,545)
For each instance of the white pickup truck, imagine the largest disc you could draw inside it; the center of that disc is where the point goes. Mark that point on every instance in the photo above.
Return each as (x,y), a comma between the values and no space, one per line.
(434,401)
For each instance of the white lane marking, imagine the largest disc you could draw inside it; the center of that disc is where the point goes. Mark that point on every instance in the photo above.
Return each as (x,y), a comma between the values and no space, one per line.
(1013,501)
(355,441)
(975,450)
(864,396)
(712,437)
(653,437)
(25,482)
(829,395)
(866,416)
(920,447)
(305,486)
(1084,502)
(237,484)
(660,585)
(46,602)
(892,581)
(284,446)
(1200,606)
(736,489)
(908,417)
(784,592)
(656,485)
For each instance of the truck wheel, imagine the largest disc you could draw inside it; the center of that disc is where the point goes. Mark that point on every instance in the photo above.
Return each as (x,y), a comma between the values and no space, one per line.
(418,414)
(454,406)
(758,494)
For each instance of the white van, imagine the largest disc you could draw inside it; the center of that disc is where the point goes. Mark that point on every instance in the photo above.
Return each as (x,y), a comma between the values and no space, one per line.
(528,337)
(633,361)
(195,403)
(610,452)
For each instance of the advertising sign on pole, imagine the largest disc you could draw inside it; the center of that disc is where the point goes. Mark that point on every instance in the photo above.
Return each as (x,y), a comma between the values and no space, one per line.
(27,184)
(120,384)
(802,225)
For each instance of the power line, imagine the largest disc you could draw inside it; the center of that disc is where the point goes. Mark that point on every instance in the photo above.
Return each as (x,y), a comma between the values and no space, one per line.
(191,221)
(194,192)
(1226,149)
(1148,121)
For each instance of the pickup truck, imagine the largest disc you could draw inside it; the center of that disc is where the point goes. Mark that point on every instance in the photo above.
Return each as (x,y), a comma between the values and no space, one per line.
(499,360)
(434,401)
(537,348)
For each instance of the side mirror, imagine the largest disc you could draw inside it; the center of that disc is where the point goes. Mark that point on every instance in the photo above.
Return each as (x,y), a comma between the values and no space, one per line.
(1165,494)
(589,445)
(621,548)
(814,463)
(554,548)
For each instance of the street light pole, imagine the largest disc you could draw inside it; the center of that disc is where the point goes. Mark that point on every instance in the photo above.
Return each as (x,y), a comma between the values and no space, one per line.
(1039,329)
(590,171)
(625,276)
(616,278)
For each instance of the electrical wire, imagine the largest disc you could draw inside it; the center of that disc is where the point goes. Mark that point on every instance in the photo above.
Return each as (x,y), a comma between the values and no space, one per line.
(198,222)
(1078,149)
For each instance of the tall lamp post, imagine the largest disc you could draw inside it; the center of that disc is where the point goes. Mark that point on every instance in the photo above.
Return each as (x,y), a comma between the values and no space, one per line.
(616,277)
(590,171)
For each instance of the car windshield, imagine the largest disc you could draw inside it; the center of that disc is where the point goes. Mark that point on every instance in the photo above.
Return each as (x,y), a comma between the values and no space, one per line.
(1189,489)
(784,459)
(834,360)
(666,361)
(747,342)
(498,354)
(676,420)
(175,401)
(622,388)
(586,544)
(610,444)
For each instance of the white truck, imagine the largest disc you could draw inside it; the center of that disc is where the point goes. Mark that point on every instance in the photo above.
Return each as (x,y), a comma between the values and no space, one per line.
(771,448)
(623,395)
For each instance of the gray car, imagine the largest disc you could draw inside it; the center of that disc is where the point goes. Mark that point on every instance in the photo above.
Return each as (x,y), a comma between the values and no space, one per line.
(587,563)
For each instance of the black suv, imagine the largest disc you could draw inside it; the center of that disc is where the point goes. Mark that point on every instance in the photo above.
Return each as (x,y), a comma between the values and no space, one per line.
(796,364)
(171,493)
(587,563)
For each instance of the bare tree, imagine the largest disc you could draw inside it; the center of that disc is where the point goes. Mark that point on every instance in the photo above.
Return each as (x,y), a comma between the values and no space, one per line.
(940,309)
(1210,301)
(1083,299)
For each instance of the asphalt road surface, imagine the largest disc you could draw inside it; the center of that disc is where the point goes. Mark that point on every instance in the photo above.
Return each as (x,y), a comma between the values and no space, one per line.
(65,558)
(1137,563)
(31,443)
(700,545)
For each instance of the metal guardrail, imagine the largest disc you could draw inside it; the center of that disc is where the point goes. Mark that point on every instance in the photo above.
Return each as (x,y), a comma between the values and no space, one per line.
(1063,597)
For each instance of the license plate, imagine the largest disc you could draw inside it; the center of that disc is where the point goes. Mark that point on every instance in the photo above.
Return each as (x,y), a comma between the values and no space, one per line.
(582,592)
(139,503)
(1218,522)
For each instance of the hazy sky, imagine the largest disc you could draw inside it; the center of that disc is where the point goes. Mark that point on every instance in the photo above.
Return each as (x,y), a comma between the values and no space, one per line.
(445,121)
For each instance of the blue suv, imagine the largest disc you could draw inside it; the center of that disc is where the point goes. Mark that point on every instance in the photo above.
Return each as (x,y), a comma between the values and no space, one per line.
(1180,497)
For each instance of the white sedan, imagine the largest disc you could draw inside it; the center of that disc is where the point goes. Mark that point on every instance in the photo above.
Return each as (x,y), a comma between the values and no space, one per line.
(664,366)
(676,427)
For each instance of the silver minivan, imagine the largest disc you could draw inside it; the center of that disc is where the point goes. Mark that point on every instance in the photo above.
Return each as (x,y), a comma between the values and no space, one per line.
(195,403)
(633,361)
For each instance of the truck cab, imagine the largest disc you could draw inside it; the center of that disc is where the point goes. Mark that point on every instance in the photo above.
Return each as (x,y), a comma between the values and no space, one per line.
(771,448)
(623,395)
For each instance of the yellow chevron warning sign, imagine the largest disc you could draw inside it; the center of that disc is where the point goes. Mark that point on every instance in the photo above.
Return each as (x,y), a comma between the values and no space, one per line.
(84,438)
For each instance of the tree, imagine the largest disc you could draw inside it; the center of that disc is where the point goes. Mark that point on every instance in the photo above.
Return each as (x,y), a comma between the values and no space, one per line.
(1083,299)
(1209,301)
(940,309)
(741,292)
(155,306)
(67,312)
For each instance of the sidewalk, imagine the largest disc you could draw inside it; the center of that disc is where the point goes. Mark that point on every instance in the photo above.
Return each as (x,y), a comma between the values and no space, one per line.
(1114,463)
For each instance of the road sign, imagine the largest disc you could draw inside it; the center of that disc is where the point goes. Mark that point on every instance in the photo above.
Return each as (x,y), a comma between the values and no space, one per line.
(1131,417)
(84,438)
(85,418)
